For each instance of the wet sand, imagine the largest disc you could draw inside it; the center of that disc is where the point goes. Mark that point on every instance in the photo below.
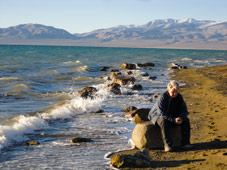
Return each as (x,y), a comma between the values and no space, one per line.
(205,92)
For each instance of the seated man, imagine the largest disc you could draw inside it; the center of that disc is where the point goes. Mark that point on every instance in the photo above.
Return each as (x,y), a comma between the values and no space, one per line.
(171,110)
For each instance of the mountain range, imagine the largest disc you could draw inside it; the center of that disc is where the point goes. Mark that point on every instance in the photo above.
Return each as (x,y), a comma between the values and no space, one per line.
(168,33)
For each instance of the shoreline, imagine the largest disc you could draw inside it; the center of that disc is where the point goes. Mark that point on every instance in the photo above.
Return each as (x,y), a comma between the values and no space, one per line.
(205,93)
(114,46)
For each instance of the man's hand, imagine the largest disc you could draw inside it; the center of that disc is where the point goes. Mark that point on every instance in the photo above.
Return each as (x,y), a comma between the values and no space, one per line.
(178,121)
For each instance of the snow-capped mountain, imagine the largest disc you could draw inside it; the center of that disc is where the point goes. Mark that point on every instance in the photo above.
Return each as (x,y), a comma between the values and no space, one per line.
(164,30)
(156,33)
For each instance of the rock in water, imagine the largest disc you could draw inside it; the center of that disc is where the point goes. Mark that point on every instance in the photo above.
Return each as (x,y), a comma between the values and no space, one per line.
(122,80)
(80,140)
(155,96)
(145,74)
(116,88)
(104,68)
(145,64)
(147,135)
(30,143)
(129,108)
(139,159)
(88,92)
(177,66)
(153,77)
(137,87)
(114,74)
(128,66)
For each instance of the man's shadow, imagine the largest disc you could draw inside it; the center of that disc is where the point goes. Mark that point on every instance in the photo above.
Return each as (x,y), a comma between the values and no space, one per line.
(216,144)
(169,164)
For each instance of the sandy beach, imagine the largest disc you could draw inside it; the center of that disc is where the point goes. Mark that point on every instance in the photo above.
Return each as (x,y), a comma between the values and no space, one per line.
(205,92)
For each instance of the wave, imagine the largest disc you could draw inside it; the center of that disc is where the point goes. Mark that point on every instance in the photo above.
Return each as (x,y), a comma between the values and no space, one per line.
(49,73)
(186,59)
(14,129)
(69,108)
(19,89)
(72,62)
(9,78)
(80,69)
(15,133)
(55,95)
(218,60)
(81,78)
(202,63)
(76,105)
(21,86)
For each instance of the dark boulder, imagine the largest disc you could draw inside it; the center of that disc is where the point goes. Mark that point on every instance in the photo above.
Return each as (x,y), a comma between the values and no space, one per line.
(145,64)
(129,72)
(115,88)
(80,140)
(98,111)
(114,70)
(129,108)
(145,74)
(113,75)
(122,80)
(88,92)
(31,143)
(147,135)
(104,68)
(140,159)
(128,66)
(137,87)
(177,66)
(153,77)
(155,96)
(139,115)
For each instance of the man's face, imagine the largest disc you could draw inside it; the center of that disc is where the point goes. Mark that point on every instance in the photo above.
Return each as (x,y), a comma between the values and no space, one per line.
(173,92)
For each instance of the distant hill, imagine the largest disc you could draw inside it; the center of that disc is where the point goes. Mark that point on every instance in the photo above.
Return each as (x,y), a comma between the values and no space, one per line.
(169,33)
(34,31)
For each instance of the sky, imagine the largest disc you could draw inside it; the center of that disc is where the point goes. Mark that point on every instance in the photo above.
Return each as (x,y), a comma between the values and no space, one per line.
(80,16)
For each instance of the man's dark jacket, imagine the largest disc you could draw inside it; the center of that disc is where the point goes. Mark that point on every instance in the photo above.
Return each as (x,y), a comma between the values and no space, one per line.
(169,108)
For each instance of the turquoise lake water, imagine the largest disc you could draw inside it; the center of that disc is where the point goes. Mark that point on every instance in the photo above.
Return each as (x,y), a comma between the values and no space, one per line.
(39,101)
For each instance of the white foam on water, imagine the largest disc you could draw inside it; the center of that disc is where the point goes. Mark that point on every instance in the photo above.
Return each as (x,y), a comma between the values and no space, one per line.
(107,155)
(121,130)
(72,62)
(80,68)
(63,112)
(131,144)
(215,60)
(61,144)
(9,78)
(16,132)
(186,59)
(201,61)
(78,105)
